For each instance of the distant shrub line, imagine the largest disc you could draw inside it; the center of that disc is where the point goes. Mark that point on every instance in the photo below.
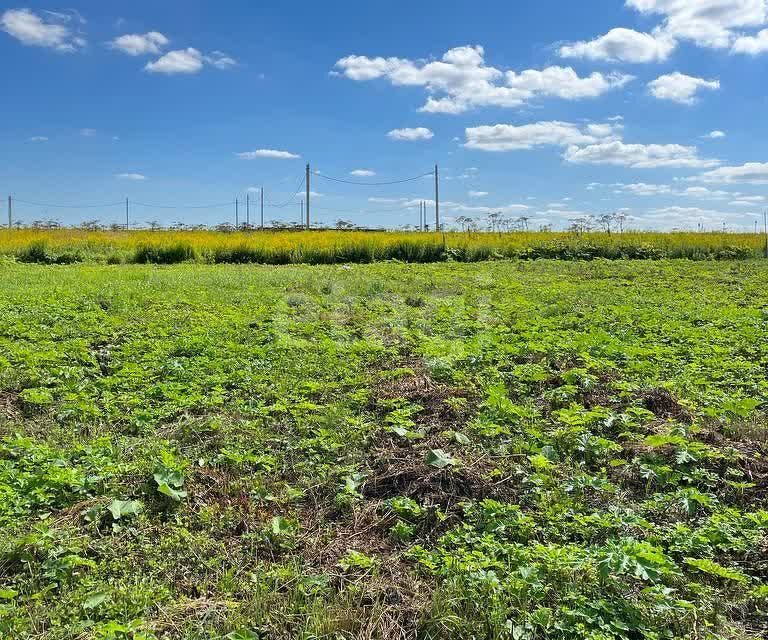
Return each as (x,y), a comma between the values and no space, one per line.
(417,249)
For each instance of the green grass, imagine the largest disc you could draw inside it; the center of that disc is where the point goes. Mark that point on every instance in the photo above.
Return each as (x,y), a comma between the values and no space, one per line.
(507,450)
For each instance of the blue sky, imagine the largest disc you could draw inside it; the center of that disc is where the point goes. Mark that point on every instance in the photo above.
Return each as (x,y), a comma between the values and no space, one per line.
(551,110)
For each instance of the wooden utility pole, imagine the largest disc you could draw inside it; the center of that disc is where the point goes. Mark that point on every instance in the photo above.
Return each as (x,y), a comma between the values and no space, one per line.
(10,212)
(307,181)
(765,229)
(437,200)
(127,226)
(262,207)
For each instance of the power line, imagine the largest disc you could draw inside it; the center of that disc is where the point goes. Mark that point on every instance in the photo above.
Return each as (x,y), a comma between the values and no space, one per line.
(352,209)
(372,184)
(69,206)
(167,206)
(291,200)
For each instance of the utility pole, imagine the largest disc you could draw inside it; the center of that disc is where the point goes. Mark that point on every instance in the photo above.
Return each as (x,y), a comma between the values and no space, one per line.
(307,181)
(262,207)
(421,216)
(765,229)
(437,200)
(247,209)
(301,218)
(237,204)
(126,215)
(10,212)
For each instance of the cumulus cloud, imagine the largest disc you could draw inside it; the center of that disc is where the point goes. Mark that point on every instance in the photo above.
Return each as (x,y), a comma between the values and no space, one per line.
(221,60)
(134,44)
(717,24)
(462,80)
(748,173)
(136,177)
(189,60)
(622,45)
(714,135)
(51,31)
(411,134)
(638,156)
(680,88)
(267,153)
(508,137)
(702,193)
(707,23)
(751,45)
(643,189)
(362,173)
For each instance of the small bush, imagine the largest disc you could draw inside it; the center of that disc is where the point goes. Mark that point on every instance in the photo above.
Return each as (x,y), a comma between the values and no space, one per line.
(173,254)
(38,253)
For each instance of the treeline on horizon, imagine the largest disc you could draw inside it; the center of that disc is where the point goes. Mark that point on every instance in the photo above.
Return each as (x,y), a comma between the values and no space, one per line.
(68,245)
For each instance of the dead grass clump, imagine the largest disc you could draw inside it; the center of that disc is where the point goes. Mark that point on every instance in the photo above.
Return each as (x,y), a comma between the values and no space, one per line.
(663,404)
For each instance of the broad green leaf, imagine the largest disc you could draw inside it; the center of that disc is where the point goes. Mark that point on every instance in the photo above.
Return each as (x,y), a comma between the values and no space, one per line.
(439,459)
(95,599)
(120,508)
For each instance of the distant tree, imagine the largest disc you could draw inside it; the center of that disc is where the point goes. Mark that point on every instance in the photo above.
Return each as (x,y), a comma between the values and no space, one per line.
(606,222)
(494,220)
(90,225)
(154,225)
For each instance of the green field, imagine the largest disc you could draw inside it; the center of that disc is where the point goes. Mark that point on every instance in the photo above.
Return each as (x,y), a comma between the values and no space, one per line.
(514,450)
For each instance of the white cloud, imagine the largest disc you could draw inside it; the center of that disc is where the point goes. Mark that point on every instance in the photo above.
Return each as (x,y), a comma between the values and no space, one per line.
(638,156)
(51,32)
(461,80)
(38,139)
(677,214)
(88,133)
(136,177)
(680,88)
(508,137)
(707,23)
(714,135)
(742,198)
(477,194)
(748,173)
(135,44)
(751,45)
(180,61)
(622,45)
(418,133)
(221,60)
(362,173)
(643,189)
(705,194)
(189,60)
(267,153)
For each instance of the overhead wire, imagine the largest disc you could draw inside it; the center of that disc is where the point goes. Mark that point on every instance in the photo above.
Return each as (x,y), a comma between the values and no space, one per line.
(372,184)
(291,200)
(69,206)
(166,206)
